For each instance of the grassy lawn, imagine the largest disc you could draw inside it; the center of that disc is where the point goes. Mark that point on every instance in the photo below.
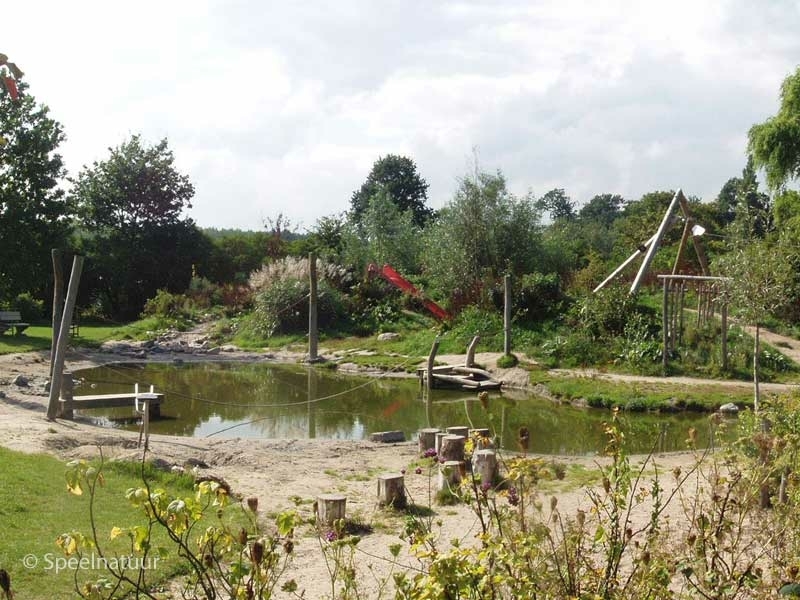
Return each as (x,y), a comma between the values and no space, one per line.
(39,336)
(35,508)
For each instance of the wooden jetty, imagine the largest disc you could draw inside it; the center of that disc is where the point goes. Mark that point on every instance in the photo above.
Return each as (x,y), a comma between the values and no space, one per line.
(466,377)
(137,400)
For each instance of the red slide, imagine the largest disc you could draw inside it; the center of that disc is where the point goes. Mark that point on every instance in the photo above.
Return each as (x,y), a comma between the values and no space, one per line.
(404,284)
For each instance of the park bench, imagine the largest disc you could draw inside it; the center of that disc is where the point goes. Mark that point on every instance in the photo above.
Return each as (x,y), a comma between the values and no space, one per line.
(11,319)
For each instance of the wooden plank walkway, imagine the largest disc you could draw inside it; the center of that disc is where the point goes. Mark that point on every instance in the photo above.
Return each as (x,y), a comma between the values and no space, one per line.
(116,400)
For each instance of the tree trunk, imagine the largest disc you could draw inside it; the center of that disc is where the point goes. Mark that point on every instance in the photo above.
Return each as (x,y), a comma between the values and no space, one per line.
(756,345)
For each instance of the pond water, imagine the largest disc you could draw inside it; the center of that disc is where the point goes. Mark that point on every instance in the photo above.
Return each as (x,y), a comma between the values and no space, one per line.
(295,401)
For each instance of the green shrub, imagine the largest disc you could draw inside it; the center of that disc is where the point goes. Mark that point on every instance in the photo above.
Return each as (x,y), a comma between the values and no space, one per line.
(30,309)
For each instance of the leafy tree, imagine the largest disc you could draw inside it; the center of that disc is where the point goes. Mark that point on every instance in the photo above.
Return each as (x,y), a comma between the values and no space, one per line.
(483,233)
(558,204)
(384,235)
(398,177)
(132,229)
(760,282)
(33,211)
(602,208)
(775,143)
(235,255)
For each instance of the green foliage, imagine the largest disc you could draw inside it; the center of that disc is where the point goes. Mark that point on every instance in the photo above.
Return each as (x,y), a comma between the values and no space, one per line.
(775,144)
(132,229)
(538,297)
(396,177)
(224,554)
(30,308)
(483,233)
(33,211)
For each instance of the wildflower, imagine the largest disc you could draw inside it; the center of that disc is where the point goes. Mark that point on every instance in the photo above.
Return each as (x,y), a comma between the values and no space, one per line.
(402,471)
(430,453)
(257,553)
(524,439)
(513,497)
(486,486)
(418,470)
(330,536)
(252,503)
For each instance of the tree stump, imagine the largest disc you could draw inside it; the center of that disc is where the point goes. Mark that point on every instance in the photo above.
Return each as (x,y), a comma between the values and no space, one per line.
(330,507)
(459,430)
(439,437)
(484,466)
(452,448)
(451,473)
(427,439)
(392,490)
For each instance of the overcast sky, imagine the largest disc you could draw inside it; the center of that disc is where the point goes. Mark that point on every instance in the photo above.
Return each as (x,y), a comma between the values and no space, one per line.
(282,107)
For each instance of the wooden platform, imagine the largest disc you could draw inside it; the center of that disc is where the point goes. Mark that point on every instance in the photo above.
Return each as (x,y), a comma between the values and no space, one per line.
(466,378)
(116,401)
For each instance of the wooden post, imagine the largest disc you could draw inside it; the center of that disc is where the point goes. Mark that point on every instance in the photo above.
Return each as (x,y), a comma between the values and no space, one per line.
(65,404)
(461,430)
(58,303)
(63,337)
(452,447)
(392,490)
(330,508)
(724,317)
(665,326)
(484,464)
(469,361)
(429,364)
(507,315)
(451,473)
(313,331)
(648,258)
(439,437)
(427,439)
(640,250)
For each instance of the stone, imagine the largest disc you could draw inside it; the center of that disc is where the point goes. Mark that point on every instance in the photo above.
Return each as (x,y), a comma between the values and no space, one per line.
(729,408)
(387,437)
(388,337)
(21,381)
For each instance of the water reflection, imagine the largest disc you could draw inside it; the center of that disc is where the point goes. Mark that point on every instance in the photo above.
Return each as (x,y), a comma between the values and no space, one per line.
(295,401)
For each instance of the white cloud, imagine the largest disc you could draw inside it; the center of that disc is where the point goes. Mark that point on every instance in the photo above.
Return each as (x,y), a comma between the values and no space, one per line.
(283,107)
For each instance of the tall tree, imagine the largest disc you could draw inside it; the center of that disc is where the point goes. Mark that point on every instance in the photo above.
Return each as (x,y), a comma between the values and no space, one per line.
(396,176)
(33,211)
(558,204)
(602,209)
(775,143)
(133,230)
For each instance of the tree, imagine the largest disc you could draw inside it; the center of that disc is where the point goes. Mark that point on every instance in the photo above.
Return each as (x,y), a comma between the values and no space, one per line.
(602,208)
(397,176)
(132,229)
(558,204)
(759,284)
(33,211)
(483,233)
(775,143)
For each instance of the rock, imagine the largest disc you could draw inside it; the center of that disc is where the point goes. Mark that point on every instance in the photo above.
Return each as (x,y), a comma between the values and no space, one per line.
(2,394)
(215,350)
(388,337)
(729,408)
(387,437)
(21,381)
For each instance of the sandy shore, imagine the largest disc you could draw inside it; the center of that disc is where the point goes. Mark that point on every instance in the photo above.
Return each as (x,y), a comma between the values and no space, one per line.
(277,471)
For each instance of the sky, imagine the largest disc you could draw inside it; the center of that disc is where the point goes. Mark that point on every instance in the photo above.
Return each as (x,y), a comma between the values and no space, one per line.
(281,108)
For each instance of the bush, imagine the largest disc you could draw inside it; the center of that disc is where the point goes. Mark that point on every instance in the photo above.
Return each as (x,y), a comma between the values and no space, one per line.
(30,308)
(167,305)
(538,296)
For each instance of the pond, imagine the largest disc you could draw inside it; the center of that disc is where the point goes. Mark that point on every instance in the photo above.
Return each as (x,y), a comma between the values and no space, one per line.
(295,401)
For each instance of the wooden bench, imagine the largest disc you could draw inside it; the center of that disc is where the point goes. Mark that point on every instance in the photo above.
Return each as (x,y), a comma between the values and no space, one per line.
(11,319)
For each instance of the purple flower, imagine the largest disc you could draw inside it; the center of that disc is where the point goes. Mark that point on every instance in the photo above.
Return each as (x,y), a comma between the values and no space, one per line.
(330,536)
(430,453)
(402,471)
(418,470)
(486,486)
(513,497)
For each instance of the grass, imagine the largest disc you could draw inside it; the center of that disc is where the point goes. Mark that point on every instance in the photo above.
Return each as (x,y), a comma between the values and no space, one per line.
(641,396)
(35,508)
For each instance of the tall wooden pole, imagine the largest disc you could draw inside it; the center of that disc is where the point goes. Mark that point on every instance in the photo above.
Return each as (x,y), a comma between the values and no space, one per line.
(665,326)
(313,331)
(648,258)
(507,315)
(58,302)
(63,336)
